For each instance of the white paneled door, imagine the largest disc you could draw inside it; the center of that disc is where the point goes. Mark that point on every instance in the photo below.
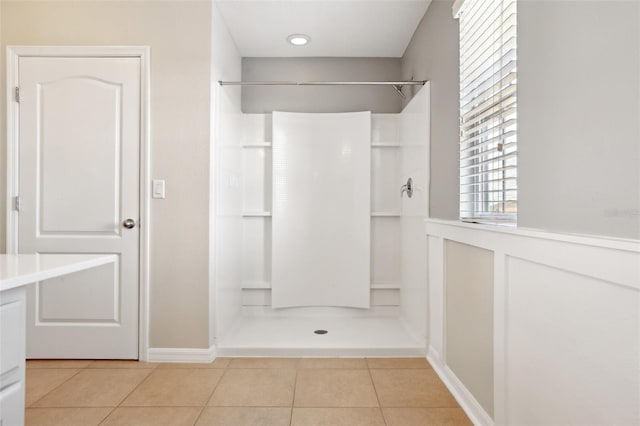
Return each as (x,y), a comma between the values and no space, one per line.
(79,151)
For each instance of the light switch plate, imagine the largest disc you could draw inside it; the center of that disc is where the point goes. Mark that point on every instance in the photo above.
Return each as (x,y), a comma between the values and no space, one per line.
(158,189)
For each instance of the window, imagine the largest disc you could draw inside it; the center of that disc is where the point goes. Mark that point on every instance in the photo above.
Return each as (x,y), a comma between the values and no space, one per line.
(488,129)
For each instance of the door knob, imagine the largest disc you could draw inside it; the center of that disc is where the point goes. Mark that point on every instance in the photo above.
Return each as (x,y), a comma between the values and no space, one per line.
(408,188)
(129,223)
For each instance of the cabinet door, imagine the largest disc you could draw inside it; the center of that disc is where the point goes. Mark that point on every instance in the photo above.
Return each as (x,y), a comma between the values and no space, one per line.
(12,355)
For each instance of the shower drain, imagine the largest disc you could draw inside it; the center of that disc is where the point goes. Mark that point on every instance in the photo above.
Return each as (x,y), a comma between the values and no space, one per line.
(321,331)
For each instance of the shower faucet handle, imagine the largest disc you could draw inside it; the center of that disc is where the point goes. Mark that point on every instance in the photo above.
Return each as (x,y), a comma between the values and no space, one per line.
(407,187)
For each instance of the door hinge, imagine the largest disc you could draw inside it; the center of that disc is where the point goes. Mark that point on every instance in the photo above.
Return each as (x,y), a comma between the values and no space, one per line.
(17,94)
(17,203)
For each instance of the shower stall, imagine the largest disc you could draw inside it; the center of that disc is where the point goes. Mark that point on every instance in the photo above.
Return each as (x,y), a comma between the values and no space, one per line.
(317,250)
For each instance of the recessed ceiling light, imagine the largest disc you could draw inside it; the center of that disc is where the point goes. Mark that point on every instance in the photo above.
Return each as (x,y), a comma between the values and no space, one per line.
(298,39)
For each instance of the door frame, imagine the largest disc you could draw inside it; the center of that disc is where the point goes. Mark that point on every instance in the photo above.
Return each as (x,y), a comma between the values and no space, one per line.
(14,53)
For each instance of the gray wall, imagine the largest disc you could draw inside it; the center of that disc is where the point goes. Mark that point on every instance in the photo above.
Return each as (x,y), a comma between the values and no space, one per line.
(179,34)
(261,99)
(433,55)
(469,318)
(578,113)
(578,117)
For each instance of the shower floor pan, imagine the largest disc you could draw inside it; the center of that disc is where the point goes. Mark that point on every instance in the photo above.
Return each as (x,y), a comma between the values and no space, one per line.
(345,337)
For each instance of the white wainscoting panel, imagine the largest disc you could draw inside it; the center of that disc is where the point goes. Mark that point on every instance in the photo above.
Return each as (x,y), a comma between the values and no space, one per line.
(469,318)
(566,324)
(569,338)
(435,268)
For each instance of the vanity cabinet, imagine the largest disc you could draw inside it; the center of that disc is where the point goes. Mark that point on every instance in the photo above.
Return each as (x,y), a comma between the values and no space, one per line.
(16,273)
(12,356)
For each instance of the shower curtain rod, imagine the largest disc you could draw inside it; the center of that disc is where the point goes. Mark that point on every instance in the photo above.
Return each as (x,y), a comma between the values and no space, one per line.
(324,83)
(397,85)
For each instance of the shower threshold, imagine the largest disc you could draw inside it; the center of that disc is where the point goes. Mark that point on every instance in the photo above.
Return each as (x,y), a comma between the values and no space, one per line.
(344,337)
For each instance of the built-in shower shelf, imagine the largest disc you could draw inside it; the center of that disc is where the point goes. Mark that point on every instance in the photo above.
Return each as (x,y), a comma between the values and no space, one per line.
(268,214)
(387,286)
(256,285)
(385,145)
(257,145)
(256,214)
(266,285)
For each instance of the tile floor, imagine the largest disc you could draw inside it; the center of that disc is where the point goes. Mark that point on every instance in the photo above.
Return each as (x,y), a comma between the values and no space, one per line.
(240,391)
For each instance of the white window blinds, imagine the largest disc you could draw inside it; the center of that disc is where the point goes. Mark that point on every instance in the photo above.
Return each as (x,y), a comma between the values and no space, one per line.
(488,130)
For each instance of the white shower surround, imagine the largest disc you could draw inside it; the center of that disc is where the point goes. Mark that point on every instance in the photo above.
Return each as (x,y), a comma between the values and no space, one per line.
(320,215)
(396,322)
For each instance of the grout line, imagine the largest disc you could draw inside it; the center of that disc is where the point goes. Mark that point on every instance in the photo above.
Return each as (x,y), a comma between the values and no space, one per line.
(412,407)
(247,406)
(375,390)
(148,366)
(135,387)
(293,400)
(107,416)
(69,406)
(225,370)
(350,406)
(62,383)
(200,413)
(206,403)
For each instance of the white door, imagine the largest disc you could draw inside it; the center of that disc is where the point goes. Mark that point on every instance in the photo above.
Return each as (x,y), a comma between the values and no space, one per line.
(78,184)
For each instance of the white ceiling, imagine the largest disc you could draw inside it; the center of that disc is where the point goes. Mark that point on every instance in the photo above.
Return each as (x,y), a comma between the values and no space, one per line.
(342,28)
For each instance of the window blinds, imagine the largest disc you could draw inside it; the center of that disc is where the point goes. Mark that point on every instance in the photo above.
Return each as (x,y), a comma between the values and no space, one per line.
(488,98)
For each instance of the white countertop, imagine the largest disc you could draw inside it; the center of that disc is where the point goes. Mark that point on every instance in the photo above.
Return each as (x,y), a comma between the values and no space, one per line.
(20,269)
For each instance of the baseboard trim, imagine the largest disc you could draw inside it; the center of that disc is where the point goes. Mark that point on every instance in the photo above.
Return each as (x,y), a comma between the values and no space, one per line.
(433,355)
(181,355)
(469,404)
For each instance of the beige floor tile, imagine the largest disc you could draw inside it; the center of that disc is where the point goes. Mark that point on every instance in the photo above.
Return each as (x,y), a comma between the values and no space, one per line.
(58,363)
(264,363)
(177,387)
(337,417)
(95,388)
(121,363)
(255,388)
(245,416)
(334,388)
(41,381)
(332,363)
(153,416)
(65,416)
(411,388)
(426,417)
(218,363)
(398,363)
